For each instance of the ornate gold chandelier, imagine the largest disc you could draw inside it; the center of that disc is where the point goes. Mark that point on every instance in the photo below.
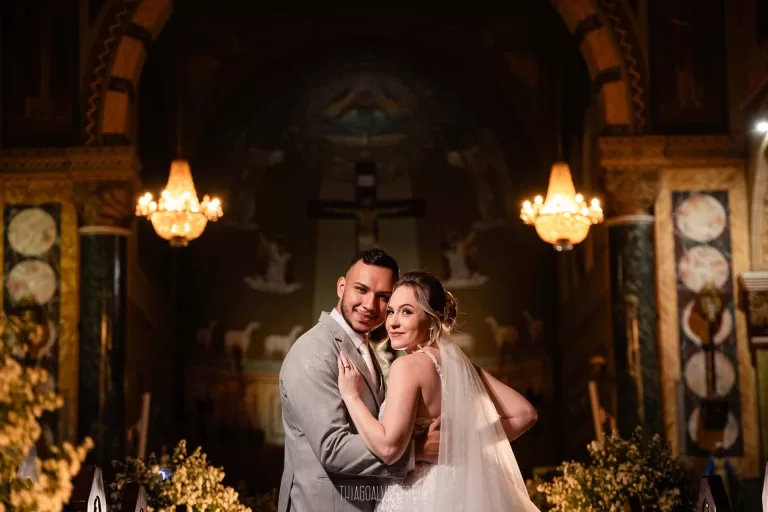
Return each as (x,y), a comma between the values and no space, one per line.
(564,218)
(178,216)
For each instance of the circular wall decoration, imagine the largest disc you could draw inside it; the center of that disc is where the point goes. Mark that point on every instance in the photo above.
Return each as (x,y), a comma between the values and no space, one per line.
(696,374)
(694,326)
(32,232)
(33,279)
(701,265)
(701,218)
(729,435)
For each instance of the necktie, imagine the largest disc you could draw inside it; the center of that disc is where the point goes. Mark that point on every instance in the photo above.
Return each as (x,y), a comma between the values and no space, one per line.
(365,351)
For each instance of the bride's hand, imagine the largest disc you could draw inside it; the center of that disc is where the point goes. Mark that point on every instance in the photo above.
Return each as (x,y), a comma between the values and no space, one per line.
(428,444)
(349,378)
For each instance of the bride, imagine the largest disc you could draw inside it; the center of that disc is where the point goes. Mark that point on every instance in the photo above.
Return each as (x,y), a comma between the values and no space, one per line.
(476,469)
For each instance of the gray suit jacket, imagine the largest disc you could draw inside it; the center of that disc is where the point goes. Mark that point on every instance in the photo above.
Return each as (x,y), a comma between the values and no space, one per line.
(327,466)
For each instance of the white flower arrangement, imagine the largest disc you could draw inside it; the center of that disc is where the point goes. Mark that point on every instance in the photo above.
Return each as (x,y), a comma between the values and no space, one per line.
(178,480)
(634,474)
(22,402)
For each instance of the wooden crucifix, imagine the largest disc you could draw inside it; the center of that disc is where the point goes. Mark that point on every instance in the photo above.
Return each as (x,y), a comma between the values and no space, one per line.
(366,209)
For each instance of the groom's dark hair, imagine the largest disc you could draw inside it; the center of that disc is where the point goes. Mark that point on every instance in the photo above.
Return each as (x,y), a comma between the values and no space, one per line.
(378,258)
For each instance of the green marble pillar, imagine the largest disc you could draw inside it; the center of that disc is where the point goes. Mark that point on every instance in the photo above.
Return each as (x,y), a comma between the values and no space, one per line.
(101,396)
(633,187)
(104,208)
(635,325)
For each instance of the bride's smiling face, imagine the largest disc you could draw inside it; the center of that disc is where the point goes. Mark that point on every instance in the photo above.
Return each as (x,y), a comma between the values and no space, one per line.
(407,324)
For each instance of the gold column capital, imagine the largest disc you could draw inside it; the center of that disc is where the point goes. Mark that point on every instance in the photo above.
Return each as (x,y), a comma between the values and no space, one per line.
(631,192)
(104,203)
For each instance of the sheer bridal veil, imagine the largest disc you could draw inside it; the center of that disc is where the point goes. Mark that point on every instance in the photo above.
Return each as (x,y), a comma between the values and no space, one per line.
(477,470)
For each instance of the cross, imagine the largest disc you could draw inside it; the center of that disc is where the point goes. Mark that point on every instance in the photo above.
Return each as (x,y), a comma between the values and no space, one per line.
(366,209)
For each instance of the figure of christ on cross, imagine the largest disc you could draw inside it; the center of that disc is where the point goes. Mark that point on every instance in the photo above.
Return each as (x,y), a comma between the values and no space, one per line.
(366,210)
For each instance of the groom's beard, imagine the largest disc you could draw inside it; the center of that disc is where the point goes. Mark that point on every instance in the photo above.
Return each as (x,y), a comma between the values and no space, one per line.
(346,314)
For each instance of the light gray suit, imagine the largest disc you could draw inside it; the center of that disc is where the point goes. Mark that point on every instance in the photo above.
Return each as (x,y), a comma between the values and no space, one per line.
(327,466)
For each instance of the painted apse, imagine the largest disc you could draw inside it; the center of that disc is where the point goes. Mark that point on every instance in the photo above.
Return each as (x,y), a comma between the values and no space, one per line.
(346,157)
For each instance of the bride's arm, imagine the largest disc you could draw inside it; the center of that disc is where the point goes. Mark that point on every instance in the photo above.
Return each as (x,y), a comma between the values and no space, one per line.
(517,413)
(387,440)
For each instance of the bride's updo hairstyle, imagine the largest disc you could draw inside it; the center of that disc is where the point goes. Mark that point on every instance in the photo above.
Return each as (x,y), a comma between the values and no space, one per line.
(438,304)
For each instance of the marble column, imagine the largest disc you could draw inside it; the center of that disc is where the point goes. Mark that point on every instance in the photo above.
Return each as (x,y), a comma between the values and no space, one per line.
(633,294)
(104,209)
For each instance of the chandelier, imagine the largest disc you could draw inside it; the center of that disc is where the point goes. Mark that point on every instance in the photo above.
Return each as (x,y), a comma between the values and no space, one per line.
(564,218)
(178,216)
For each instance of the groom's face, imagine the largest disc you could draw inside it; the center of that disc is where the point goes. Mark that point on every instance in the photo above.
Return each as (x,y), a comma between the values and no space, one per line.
(363,295)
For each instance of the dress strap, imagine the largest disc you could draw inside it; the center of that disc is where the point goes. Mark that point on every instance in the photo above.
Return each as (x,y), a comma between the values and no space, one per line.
(434,360)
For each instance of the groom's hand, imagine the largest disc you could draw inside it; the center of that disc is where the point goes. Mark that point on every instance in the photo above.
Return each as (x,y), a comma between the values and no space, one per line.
(428,445)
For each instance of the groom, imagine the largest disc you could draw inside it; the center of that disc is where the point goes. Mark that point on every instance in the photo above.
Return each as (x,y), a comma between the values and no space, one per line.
(327,466)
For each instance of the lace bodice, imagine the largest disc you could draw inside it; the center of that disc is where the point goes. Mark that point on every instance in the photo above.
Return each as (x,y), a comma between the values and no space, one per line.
(434,361)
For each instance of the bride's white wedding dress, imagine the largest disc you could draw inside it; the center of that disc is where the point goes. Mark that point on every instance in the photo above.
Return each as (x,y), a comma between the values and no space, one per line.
(476,469)
(418,487)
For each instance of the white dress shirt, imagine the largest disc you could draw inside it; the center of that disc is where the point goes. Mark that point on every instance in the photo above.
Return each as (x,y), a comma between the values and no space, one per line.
(361,344)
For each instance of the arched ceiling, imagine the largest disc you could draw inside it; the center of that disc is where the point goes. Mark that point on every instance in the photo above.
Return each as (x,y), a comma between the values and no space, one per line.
(235,51)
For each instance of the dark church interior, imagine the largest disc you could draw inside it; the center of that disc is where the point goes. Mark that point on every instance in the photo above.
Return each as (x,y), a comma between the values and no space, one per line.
(450,137)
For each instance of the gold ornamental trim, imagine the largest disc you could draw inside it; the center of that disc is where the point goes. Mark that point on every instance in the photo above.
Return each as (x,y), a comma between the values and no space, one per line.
(77,163)
(57,191)
(674,151)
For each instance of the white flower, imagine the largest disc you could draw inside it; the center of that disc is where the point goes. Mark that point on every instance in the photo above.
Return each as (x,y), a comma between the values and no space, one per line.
(638,469)
(192,482)
(21,405)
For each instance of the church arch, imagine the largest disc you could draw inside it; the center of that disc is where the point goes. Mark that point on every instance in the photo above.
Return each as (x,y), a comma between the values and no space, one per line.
(111,118)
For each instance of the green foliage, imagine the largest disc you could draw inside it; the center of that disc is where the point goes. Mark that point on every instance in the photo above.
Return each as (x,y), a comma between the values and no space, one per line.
(636,474)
